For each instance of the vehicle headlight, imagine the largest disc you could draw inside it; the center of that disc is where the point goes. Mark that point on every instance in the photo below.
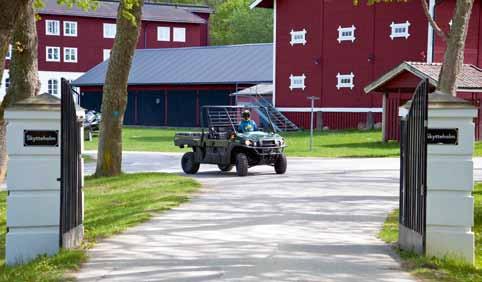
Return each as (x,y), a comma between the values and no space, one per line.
(248,143)
(281,142)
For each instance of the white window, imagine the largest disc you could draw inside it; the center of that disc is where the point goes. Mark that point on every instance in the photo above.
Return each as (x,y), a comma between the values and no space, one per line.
(297,82)
(70,55)
(52,27)
(9,52)
(346,34)
(7,83)
(110,30)
(53,86)
(53,54)
(298,37)
(345,81)
(70,28)
(400,30)
(163,33)
(179,34)
(106,54)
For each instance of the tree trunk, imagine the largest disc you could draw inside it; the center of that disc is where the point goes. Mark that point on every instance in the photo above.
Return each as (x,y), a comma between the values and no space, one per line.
(9,11)
(114,100)
(454,54)
(24,81)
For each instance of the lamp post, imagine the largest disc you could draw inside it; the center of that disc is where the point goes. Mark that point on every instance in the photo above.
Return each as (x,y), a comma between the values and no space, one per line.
(312,99)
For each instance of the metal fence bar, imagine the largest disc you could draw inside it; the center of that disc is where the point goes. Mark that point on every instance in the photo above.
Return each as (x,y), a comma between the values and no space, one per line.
(71,163)
(413,163)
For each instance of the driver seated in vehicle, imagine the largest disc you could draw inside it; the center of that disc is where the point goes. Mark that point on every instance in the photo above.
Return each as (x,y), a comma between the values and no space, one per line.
(247,124)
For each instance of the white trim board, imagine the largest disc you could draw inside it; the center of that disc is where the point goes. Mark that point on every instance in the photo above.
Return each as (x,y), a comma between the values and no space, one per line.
(332,110)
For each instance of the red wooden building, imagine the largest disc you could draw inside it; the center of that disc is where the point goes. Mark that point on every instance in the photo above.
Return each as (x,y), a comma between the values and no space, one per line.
(72,41)
(333,49)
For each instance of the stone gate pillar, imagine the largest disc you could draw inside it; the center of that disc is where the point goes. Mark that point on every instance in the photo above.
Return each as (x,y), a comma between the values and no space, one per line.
(33,202)
(450,204)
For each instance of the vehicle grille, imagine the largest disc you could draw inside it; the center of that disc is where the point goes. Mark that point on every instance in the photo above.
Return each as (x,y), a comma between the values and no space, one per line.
(268,143)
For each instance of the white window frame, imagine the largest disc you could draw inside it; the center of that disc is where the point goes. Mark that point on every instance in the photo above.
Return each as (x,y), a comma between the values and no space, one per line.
(164,33)
(74,30)
(47,54)
(179,34)
(298,37)
(68,52)
(342,84)
(395,34)
(106,54)
(108,29)
(297,82)
(57,24)
(342,37)
(53,86)
(9,52)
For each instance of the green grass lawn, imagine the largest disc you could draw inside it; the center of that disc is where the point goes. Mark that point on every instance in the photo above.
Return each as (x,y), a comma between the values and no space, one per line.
(443,270)
(350,143)
(111,206)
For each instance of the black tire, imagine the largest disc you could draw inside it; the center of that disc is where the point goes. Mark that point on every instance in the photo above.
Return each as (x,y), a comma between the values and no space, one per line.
(226,168)
(280,165)
(188,163)
(242,164)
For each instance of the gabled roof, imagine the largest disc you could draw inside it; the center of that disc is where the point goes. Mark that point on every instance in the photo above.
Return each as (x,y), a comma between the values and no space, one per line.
(242,64)
(150,12)
(262,89)
(469,79)
(262,4)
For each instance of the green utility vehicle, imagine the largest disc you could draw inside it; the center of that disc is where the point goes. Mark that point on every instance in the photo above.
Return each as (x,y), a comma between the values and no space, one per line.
(222,143)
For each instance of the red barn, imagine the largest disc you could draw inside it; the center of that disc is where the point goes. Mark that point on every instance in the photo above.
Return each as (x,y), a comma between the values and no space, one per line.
(333,49)
(72,41)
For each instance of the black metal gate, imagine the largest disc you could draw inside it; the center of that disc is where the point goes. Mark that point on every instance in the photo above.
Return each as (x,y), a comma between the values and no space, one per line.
(413,172)
(71,167)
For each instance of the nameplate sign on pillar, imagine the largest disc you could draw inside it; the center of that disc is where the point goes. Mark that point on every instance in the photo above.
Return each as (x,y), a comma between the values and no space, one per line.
(443,136)
(40,138)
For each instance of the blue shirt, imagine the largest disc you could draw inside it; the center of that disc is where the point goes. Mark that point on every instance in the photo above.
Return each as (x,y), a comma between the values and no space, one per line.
(247,126)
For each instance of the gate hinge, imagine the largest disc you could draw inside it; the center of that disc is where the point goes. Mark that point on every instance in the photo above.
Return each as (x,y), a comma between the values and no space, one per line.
(422,190)
(425,123)
(59,179)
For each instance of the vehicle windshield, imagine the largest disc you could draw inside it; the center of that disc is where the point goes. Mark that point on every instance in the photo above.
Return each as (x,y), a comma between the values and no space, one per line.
(238,119)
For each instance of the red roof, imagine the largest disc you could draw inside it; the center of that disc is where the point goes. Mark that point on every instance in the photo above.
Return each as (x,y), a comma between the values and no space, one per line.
(469,79)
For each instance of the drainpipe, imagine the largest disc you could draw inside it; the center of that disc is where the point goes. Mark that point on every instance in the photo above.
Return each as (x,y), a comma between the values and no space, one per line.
(430,37)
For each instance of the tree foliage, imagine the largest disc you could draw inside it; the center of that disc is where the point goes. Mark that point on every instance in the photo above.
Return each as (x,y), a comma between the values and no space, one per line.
(235,23)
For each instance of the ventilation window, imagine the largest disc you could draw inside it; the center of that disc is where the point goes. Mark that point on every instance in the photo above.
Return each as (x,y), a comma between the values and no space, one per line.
(346,34)
(297,82)
(400,30)
(345,81)
(298,37)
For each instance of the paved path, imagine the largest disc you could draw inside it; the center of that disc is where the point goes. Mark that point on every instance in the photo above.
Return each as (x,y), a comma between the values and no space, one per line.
(317,223)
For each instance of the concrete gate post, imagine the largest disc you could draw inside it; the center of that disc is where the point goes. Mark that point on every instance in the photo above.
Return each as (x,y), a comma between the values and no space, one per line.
(33,202)
(450,204)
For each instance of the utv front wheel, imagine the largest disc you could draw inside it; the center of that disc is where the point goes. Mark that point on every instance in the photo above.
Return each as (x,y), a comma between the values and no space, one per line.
(225,168)
(281,164)
(241,164)
(189,165)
